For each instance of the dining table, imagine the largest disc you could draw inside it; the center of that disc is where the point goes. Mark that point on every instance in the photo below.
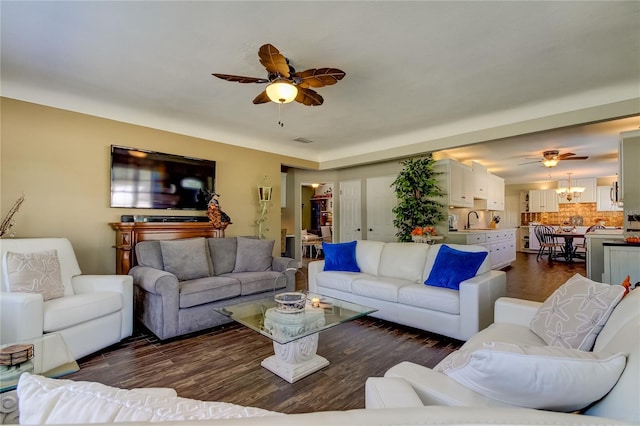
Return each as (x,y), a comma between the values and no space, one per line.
(568,236)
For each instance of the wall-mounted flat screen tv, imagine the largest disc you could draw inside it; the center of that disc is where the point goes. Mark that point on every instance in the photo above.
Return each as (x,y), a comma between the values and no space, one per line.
(154,180)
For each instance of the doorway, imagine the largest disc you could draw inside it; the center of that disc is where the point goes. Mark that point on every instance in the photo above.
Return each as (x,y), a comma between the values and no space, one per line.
(317,212)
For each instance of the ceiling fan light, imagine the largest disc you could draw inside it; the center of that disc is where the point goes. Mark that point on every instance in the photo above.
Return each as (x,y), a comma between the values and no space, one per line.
(550,162)
(281,92)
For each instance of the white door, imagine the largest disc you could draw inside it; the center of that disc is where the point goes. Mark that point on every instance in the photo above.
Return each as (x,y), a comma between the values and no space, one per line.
(511,217)
(381,199)
(350,210)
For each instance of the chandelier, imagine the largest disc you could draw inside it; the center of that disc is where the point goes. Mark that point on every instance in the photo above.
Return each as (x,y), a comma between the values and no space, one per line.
(570,192)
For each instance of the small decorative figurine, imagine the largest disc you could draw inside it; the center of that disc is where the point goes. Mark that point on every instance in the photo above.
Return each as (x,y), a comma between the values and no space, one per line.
(218,218)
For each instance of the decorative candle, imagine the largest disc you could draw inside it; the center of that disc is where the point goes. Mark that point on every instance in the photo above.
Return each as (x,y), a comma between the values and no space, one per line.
(315,302)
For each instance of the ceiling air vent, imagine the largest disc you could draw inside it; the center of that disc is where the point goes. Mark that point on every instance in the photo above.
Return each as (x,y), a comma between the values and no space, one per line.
(303,140)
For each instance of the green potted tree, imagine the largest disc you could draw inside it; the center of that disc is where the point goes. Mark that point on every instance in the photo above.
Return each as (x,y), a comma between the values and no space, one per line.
(417,190)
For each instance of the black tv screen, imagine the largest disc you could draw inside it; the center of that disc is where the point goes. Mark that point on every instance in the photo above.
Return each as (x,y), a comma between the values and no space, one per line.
(154,180)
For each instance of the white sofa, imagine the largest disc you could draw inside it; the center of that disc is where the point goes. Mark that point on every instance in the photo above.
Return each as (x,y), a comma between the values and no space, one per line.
(49,401)
(621,334)
(96,310)
(391,279)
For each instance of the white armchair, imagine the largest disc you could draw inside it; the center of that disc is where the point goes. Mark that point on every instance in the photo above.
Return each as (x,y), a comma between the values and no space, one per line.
(96,310)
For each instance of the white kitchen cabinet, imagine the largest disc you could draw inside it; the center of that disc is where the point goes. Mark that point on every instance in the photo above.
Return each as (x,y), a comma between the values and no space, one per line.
(604,202)
(630,173)
(621,260)
(589,194)
(543,200)
(494,193)
(465,237)
(501,244)
(457,181)
(480,181)
(502,247)
(495,198)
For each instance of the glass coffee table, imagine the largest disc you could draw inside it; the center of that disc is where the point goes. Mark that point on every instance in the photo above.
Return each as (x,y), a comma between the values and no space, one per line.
(294,332)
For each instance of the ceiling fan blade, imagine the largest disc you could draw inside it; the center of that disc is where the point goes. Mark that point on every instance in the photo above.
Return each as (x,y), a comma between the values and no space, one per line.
(530,162)
(565,155)
(261,98)
(308,97)
(575,158)
(319,77)
(241,79)
(273,61)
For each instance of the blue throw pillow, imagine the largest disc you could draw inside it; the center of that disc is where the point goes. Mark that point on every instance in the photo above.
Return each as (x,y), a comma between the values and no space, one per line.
(454,266)
(340,257)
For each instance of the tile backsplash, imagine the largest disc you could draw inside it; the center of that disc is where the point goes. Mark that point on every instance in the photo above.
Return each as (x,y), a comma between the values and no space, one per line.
(587,210)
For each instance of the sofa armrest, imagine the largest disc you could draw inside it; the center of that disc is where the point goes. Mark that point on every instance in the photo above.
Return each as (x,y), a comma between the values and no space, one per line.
(98,283)
(154,281)
(21,316)
(122,284)
(515,311)
(313,269)
(282,263)
(389,392)
(434,388)
(477,299)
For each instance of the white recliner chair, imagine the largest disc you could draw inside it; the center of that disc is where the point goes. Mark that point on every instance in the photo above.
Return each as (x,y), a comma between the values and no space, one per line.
(96,311)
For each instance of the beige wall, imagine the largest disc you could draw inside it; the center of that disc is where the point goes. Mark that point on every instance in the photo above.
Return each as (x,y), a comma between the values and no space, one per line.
(60,161)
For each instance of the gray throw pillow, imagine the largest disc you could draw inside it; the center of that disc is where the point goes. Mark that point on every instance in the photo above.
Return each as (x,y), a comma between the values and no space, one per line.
(149,253)
(223,254)
(254,255)
(186,259)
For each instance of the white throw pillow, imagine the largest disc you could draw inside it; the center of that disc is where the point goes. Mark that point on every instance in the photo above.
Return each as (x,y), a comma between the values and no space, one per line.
(34,273)
(574,314)
(47,401)
(542,377)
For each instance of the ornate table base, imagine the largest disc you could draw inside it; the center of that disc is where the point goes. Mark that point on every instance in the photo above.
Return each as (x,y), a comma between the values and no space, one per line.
(294,360)
(9,408)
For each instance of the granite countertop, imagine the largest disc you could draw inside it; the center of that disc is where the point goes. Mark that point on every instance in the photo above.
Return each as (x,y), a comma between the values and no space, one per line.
(479,230)
(620,243)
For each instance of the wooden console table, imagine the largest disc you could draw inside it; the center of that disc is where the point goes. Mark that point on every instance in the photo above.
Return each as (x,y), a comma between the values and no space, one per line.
(128,234)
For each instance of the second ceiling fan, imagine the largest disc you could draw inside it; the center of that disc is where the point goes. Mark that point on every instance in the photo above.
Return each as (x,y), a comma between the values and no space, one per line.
(551,158)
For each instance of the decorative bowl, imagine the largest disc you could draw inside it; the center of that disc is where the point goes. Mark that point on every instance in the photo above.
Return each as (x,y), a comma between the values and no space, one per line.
(290,302)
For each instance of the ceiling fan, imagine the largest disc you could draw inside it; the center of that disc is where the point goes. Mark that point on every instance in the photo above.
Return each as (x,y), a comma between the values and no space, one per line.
(284,83)
(552,157)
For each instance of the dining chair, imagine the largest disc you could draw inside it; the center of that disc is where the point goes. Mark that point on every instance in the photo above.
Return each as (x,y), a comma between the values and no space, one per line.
(548,242)
(580,247)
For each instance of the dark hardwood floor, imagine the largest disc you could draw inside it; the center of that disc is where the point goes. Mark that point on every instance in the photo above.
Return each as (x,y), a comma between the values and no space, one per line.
(223,364)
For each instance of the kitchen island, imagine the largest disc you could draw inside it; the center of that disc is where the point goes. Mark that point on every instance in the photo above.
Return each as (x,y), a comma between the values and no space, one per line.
(501,243)
(621,259)
(595,250)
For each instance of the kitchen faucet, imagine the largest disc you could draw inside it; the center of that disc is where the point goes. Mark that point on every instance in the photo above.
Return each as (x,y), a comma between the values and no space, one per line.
(469,214)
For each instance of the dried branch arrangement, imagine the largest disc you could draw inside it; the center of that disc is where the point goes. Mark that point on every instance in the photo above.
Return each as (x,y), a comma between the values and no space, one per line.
(8,222)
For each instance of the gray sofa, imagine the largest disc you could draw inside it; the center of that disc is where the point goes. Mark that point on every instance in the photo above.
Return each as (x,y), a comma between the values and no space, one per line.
(179,283)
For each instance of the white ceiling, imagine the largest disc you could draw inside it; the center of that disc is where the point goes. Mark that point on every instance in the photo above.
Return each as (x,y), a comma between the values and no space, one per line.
(420,76)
